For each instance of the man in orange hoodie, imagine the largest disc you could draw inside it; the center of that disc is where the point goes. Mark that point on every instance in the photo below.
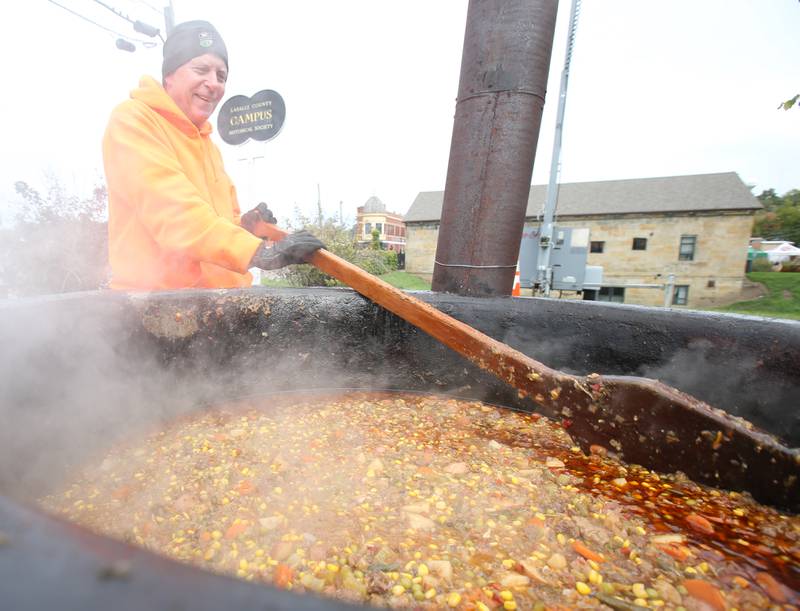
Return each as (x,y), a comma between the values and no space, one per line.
(174,219)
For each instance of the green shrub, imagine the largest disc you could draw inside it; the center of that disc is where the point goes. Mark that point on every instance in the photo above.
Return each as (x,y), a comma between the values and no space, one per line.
(391,259)
(341,242)
(761,264)
(372,261)
(376,240)
(337,240)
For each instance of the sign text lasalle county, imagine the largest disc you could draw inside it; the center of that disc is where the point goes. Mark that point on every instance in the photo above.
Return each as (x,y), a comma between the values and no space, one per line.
(259,117)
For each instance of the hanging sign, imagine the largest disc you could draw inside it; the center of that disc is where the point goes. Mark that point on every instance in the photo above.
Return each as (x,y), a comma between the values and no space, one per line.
(259,117)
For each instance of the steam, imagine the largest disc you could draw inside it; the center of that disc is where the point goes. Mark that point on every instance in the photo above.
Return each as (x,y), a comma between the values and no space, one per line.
(81,372)
(77,382)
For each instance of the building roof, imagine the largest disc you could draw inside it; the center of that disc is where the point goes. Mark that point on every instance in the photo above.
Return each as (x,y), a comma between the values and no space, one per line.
(695,193)
(373,204)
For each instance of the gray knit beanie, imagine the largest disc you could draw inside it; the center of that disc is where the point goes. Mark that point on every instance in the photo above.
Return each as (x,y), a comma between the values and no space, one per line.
(189,40)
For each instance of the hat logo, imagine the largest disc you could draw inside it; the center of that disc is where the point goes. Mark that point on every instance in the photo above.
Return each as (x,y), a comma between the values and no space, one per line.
(205,39)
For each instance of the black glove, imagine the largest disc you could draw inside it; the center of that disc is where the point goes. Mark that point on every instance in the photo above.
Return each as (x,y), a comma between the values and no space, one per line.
(294,248)
(259,213)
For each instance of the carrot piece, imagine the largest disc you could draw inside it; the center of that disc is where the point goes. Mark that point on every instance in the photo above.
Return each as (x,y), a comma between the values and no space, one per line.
(235,529)
(122,493)
(773,587)
(741,582)
(283,575)
(245,487)
(705,592)
(586,552)
(700,524)
(534,521)
(679,552)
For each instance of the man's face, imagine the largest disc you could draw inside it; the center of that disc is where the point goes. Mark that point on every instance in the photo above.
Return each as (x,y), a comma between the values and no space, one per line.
(198,86)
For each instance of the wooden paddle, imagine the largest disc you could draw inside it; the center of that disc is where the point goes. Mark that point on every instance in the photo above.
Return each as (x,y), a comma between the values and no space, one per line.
(644,421)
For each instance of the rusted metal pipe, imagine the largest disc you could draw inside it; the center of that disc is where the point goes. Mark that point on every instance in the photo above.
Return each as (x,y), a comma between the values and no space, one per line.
(504,67)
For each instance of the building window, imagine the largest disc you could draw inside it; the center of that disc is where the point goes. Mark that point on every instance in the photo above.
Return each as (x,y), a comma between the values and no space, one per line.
(379,227)
(611,293)
(596,246)
(639,243)
(681,295)
(687,248)
(367,228)
(711,284)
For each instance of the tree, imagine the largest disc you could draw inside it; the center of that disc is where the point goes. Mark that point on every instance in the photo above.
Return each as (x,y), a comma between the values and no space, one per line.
(780,219)
(340,241)
(58,242)
(790,102)
(376,240)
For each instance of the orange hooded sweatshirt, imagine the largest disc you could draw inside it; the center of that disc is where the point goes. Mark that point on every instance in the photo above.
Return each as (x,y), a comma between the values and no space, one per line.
(174,220)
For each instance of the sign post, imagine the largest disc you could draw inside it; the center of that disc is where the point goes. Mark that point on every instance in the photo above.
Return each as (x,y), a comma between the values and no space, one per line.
(260,118)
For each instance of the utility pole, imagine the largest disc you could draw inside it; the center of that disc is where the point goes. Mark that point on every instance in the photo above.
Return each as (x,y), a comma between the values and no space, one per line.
(169,17)
(544,271)
(251,176)
(319,207)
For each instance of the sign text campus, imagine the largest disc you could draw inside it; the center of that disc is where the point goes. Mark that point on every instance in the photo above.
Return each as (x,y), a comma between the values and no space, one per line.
(259,117)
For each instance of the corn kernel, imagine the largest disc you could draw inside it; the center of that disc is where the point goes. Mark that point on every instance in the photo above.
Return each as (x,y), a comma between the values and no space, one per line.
(506,595)
(398,590)
(422,570)
(481,606)
(453,599)
(509,605)
(582,588)
(639,590)
(430,593)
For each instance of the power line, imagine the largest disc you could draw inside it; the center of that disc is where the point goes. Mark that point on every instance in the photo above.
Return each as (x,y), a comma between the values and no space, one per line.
(150,6)
(145,43)
(139,26)
(115,11)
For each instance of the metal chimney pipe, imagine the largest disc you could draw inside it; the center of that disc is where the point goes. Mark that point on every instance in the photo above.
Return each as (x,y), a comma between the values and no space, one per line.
(504,67)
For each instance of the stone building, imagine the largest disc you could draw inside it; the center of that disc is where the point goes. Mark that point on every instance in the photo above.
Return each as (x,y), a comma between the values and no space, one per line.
(390,225)
(641,230)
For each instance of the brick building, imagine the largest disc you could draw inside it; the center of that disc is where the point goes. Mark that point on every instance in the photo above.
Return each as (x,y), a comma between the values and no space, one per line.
(390,225)
(641,230)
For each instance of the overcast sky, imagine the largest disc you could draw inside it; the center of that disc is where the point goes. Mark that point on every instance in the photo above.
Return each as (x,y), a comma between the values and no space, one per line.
(656,89)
